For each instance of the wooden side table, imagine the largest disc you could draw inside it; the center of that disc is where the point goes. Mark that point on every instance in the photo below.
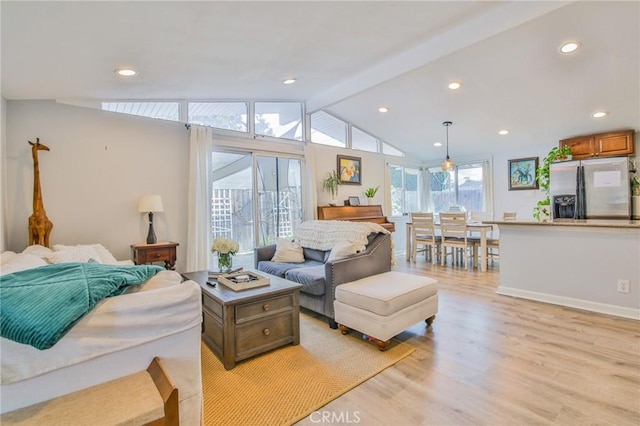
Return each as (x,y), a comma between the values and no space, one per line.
(241,324)
(161,252)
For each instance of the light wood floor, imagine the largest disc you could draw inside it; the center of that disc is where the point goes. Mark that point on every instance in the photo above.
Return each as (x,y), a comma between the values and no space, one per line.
(496,360)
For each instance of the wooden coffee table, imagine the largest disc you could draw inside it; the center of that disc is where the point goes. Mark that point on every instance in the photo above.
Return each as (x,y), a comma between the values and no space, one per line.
(240,324)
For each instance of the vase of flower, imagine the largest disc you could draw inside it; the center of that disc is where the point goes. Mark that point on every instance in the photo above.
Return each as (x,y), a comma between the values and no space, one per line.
(225,262)
(225,248)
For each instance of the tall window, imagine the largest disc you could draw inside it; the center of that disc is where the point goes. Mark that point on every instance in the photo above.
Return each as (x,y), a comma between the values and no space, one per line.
(464,186)
(161,110)
(254,208)
(405,189)
(279,119)
(221,115)
(328,130)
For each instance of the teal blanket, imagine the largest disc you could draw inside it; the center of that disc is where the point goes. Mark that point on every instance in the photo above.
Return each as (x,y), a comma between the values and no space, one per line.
(39,306)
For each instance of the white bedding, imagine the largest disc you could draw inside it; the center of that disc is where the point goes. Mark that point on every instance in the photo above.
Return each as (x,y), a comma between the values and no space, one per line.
(120,336)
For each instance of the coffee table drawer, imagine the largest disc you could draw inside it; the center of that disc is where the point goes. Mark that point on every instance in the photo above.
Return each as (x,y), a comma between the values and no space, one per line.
(258,336)
(255,310)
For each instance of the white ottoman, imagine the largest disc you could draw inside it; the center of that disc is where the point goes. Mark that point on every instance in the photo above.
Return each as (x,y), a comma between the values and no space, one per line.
(386,304)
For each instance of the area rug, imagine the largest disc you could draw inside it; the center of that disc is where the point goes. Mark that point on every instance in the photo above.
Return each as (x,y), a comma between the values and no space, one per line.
(287,384)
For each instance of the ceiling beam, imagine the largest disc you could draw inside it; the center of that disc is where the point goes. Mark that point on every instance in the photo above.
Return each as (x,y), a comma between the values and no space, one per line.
(496,20)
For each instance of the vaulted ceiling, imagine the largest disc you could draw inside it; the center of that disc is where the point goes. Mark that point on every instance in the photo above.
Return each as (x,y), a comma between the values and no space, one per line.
(349,58)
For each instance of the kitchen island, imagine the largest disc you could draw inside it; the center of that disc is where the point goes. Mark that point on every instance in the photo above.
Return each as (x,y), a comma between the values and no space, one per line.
(574,263)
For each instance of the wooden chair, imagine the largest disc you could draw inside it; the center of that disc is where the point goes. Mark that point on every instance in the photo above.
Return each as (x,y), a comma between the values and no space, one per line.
(453,227)
(424,233)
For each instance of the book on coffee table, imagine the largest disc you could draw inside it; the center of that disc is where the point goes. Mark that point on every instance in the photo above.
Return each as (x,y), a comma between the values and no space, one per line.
(243,280)
(216,274)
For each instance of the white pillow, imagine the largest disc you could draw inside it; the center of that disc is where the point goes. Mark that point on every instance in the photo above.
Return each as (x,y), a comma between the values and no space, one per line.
(21,262)
(82,253)
(287,252)
(38,250)
(7,256)
(342,249)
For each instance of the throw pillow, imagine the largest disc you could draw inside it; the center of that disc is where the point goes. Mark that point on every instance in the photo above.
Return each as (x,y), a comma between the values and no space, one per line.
(21,262)
(87,251)
(38,250)
(342,249)
(287,252)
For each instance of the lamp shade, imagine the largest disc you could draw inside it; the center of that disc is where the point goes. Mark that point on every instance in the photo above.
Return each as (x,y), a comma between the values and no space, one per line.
(150,204)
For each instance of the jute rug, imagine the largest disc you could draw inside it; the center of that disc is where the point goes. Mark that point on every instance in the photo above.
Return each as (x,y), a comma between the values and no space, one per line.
(285,385)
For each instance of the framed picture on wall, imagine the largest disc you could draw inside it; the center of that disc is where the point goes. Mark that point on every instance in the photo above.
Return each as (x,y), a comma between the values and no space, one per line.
(350,170)
(522,173)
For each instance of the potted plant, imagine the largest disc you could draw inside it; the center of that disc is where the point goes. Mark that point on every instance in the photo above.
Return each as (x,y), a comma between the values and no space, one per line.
(542,211)
(331,184)
(635,191)
(370,193)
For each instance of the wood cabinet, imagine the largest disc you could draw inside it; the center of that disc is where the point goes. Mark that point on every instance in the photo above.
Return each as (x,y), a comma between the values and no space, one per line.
(611,144)
(240,324)
(161,252)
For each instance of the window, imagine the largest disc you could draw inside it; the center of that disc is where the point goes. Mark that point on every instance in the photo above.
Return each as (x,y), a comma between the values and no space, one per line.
(389,150)
(161,110)
(221,115)
(279,119)
(464,186)
(363,141)
(328,130)
(405,189)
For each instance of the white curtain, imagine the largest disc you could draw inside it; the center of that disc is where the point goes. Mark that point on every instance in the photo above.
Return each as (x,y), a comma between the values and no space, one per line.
(425,194)
(309,183)
(487,181)
(199,201)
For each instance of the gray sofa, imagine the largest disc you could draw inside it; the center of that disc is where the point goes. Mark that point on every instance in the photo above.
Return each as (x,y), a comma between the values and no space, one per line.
(320,277)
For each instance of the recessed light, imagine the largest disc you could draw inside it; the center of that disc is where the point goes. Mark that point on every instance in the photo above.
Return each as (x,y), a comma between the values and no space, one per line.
(454,85)
(383,109)
(437,144)
(289,81)
(569,47)
(599,114)
(126,72)
(503,132)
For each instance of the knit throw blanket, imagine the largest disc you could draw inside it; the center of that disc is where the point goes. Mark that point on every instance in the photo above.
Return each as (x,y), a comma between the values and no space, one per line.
(324,234)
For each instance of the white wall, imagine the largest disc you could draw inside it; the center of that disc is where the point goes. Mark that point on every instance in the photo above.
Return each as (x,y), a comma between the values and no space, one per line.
(372,174)
(99,164)
(3,181)
(576,266)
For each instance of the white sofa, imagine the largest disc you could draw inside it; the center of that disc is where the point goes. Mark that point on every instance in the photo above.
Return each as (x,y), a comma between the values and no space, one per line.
(119,337)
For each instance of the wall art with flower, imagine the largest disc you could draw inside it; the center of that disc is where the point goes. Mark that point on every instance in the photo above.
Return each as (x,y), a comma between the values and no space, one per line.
(350,170)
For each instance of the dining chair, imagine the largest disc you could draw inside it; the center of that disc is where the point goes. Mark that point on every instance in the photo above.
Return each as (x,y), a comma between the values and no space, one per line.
(424,233)
(453,229)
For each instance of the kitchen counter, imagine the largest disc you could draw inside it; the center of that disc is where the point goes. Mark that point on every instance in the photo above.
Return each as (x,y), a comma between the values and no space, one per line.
(575,263)
(595,223)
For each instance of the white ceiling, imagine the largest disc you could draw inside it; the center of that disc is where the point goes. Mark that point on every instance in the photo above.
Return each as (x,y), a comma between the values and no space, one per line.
(350,58)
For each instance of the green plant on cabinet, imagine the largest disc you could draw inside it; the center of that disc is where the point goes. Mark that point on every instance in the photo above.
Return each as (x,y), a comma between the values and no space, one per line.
(371,192)
(331,184)
(543,173)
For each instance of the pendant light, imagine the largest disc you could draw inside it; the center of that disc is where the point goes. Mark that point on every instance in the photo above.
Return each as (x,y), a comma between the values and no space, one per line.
(448,165)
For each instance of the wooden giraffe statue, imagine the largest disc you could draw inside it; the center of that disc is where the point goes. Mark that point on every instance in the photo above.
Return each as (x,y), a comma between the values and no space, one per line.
(39,224)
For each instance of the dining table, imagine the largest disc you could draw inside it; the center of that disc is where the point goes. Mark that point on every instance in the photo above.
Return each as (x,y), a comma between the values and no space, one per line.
(482,228)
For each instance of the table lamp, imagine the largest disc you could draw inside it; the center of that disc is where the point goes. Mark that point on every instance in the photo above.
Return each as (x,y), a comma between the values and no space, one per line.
(150,204)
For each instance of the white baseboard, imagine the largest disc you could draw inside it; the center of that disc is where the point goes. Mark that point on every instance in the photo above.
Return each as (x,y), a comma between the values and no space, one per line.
(603,308)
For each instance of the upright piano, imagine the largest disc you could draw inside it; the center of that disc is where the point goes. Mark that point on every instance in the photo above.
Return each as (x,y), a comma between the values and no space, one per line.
(356,214)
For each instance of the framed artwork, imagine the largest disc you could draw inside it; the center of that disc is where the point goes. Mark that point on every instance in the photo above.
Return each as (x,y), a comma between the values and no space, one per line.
(522,173)
(350,170)
(354,201)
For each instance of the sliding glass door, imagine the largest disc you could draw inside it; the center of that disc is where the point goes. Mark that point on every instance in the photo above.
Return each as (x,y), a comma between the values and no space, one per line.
(255,199)
(279,187)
